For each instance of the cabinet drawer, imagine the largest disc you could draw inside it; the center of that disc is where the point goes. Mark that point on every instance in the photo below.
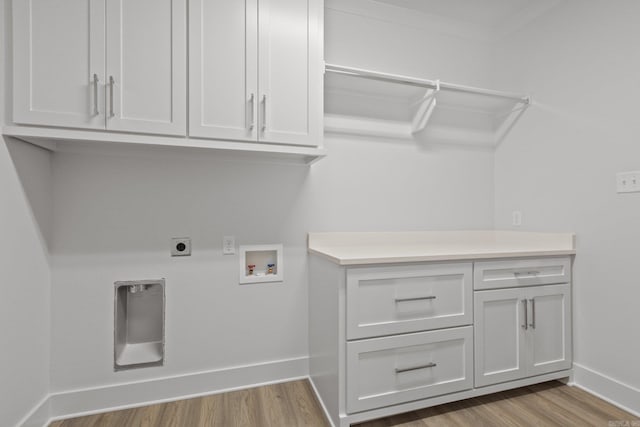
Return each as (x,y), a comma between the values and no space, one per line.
(393,300)
(523,272)
(393,370)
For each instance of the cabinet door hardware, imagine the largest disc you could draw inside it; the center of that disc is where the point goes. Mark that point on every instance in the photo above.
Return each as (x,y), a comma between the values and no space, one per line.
(533,313)
(112,83)
(96,81)
(525,325)
(415,368)
(430,297)
(251,121)
(264,113)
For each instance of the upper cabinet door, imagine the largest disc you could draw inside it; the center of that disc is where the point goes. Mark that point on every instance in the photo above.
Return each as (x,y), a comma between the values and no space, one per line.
(146,66)
(58,63)
(223,71)
(290,64)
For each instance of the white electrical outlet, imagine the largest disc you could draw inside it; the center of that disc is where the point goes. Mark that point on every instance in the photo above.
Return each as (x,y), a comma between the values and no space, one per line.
(181,246)
(628,182)
(229,245)
(516,218)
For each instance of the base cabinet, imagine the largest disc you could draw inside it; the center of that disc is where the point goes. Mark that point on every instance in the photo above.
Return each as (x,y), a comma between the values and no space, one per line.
(387,339)
(521,332)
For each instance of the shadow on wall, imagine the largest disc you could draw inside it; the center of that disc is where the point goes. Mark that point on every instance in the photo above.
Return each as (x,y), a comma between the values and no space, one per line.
(33,168)
(116,204)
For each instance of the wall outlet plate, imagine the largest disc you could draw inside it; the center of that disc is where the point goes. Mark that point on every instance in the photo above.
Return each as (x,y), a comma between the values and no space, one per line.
(181,246)
(628,182)
(228,245)
(516,218)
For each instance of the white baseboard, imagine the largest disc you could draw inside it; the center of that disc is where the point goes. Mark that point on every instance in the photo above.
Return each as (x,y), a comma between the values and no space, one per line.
(327,415)
(89,401)
(38,416)
(606,388)
(76,403)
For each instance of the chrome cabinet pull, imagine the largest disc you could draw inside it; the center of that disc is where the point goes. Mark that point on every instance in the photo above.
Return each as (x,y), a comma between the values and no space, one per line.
(415,368)
(526,315)
(96,81)
(251,121)
(533,313)
(264,113)
(112,83)
(415,299)
(526,273)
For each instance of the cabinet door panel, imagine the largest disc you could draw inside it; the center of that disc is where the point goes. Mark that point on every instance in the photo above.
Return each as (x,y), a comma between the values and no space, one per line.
(550,326)
(499,336)
(223,70)
(290,66)
(58,47)
(146,56)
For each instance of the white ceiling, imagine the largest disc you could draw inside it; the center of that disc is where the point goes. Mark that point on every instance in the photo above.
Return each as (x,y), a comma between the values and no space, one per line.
(489,15)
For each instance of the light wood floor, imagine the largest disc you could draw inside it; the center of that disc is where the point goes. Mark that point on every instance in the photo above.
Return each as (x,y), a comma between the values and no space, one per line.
(294,404)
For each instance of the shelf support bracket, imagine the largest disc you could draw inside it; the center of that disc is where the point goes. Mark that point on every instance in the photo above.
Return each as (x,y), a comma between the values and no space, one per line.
(425,109)
(511,118)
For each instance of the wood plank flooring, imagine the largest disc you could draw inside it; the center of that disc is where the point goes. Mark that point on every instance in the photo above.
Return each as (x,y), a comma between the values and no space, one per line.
(546,404)
(279,405)
(294,404)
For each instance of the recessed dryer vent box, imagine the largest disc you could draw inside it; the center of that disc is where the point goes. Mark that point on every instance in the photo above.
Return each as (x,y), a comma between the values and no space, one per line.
(139,324)
(261,263)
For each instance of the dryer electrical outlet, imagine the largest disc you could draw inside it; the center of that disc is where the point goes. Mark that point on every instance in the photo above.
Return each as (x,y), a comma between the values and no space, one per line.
(181,246)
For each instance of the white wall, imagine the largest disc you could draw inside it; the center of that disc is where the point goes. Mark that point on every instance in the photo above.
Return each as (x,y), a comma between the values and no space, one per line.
(25,179)
(114,215)
(582,65)
(25,226)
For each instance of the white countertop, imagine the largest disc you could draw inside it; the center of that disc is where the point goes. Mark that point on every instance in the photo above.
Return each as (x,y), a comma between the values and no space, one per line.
(393,247)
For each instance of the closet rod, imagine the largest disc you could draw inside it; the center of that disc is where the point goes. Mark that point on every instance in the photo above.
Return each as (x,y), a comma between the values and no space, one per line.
(429,84)
(383,77)
(525,99)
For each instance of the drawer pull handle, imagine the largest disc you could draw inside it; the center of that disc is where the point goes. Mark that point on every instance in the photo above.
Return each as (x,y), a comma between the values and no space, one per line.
(526,273)
(415,299)
(415,368)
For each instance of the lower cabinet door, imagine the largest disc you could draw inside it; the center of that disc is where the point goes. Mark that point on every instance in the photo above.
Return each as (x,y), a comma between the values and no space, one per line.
(550,328)
(500,340)
(393,370)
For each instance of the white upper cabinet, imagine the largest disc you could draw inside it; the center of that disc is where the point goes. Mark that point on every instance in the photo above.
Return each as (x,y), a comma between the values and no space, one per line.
(256,70)
(291,71)
(59,63)
(101,64)
(223,72)
(147,66)
(231,75)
